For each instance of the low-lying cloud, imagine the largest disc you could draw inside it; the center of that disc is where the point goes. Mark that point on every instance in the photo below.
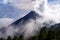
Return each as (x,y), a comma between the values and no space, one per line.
(50,15)
(5,21)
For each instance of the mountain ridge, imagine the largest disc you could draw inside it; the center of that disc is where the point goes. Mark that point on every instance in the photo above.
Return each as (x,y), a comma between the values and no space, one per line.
(32,15)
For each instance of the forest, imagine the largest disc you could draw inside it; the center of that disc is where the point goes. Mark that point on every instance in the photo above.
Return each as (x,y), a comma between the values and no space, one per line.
(52,33)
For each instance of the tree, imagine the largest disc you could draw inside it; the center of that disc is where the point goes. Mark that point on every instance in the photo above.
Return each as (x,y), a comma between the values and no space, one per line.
(21,37)
(2,39)
(9,38)
(51,35)
(43,33)
(15,38)
(33,38)
(58,35)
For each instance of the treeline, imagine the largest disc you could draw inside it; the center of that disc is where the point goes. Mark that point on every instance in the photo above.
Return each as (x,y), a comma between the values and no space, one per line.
(14,38)
(44,34)
(47,34)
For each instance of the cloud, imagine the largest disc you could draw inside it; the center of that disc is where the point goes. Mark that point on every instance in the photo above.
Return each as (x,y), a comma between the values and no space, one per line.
(7,10)
(4,22)
(20,4)
(5,1)
(50,11)
(15,8)
(50,15)
(11,31)
(6,30)
(23,4)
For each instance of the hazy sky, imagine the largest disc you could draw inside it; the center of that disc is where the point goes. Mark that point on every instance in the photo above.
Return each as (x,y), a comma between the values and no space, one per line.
(15,9)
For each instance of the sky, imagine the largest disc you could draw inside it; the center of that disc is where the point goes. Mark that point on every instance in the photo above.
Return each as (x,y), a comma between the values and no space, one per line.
(15,9)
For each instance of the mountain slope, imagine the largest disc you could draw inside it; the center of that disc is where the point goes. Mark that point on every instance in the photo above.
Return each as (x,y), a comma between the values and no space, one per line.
(55,27)
(32,15)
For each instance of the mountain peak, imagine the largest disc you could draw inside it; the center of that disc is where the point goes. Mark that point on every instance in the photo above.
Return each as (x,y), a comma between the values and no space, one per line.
(31,15)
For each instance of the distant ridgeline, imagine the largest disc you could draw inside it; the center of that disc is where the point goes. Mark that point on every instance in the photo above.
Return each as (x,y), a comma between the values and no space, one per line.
(52,33)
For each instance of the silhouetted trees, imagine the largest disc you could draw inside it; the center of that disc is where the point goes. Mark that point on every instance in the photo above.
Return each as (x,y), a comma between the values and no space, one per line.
(9,38)
(2,39)
(51,35)
(44,34)
(15,38)
(33,38)
(20,37)
(58,35)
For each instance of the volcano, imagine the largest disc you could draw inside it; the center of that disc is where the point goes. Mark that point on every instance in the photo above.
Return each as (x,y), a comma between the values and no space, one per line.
(22,22)
(31,15)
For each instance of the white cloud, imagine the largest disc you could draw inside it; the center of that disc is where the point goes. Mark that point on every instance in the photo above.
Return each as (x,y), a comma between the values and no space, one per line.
(8,30)
(11,31)
(50,11)
(50,15)
(5,1)
(20,4)
(4,22)
(23,4)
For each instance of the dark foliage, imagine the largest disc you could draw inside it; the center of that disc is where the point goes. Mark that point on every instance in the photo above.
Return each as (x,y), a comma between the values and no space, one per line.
(2,39)
(9,38)
(20,37)
(52,33)
(15,38)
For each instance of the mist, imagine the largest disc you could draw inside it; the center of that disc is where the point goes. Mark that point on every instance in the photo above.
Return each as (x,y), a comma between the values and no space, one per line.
(49,11)
(50,15)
